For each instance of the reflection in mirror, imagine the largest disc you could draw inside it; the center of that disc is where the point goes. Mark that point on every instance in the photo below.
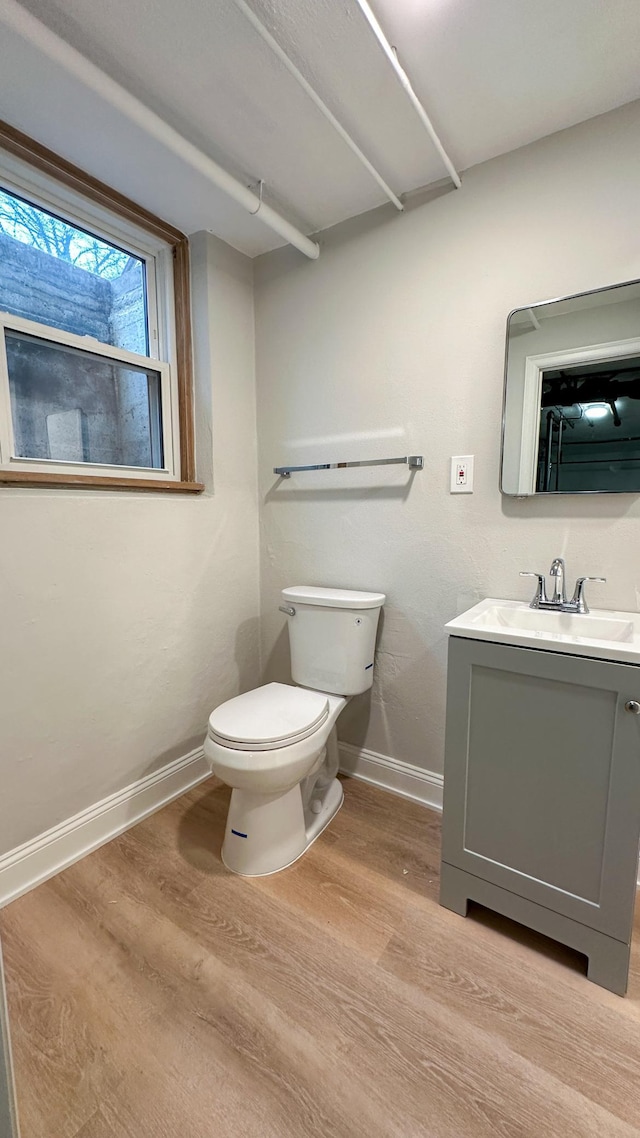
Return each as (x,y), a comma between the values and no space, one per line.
(572,395)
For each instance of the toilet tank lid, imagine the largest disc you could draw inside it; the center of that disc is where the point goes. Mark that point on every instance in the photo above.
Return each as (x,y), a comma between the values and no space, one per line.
(333,598)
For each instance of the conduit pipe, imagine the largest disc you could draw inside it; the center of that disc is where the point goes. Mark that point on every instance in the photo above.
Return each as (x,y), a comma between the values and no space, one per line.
(36,33)
(407,87)
(315,98)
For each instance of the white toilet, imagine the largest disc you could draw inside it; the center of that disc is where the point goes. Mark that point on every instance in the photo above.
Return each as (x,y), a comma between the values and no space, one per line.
(277,745)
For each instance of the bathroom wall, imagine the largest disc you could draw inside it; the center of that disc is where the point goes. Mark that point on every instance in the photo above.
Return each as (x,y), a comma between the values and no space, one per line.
(392,343)
(127,617)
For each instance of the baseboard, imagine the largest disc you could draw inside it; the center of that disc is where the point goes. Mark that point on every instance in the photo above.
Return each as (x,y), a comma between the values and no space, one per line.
(392,774)
(32,863)
(28,865)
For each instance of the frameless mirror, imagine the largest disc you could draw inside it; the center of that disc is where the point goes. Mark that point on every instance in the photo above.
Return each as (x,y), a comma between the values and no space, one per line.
(572,395)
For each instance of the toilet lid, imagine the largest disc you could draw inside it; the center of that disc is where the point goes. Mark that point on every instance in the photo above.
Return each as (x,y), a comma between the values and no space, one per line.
(267,717)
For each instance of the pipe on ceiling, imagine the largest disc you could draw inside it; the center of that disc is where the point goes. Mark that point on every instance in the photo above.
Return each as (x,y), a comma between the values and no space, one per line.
(262,31)
(58,50)
(405,82)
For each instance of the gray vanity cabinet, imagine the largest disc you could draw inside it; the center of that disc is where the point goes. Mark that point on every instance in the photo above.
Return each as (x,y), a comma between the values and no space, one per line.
(542,795)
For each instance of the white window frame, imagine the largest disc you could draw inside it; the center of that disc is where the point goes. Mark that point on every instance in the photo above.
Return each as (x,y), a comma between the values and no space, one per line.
(42,191)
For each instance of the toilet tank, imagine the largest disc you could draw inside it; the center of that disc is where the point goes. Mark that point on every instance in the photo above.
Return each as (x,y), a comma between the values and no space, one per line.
(332,637)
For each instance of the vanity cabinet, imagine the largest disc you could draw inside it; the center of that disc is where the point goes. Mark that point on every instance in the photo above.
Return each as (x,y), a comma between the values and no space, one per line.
(542,795)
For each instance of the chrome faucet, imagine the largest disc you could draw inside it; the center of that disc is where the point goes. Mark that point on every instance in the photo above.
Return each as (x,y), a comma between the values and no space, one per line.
(559,591)
(558,601)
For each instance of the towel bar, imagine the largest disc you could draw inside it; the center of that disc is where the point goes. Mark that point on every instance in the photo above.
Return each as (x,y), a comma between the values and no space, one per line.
(413,461)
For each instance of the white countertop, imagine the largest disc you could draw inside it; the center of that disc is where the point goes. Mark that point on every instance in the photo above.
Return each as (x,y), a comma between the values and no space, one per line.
(600,634)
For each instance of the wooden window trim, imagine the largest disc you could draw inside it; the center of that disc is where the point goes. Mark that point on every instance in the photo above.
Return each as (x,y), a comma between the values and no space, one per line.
(96,482)
(34,154)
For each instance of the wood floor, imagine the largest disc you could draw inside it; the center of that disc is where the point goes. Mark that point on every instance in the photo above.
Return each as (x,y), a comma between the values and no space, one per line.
(154,995)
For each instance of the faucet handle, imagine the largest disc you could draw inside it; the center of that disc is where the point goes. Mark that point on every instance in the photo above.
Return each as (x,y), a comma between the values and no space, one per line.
(541,591)
(578,595)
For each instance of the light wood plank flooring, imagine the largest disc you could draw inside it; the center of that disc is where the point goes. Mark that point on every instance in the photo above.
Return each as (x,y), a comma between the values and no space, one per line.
(155,995)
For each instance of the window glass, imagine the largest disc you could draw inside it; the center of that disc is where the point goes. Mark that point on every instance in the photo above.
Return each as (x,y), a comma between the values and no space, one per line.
(63,276)
(72,405)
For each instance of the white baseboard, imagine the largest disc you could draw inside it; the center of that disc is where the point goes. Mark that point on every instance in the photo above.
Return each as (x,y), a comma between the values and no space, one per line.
(28,865)
(392,774)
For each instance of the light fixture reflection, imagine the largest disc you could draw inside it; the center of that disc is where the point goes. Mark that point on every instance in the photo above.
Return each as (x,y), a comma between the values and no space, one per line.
(595,411)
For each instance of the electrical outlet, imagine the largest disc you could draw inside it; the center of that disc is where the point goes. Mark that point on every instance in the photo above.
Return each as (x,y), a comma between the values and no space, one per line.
(462,474)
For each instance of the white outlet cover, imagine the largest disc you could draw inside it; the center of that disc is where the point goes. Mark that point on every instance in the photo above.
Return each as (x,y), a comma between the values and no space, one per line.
(462,474)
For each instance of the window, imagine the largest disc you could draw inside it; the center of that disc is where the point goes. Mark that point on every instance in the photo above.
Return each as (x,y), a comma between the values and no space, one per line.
(95,354)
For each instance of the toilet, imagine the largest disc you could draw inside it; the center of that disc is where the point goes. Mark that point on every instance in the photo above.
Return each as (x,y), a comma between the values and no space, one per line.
(277,745)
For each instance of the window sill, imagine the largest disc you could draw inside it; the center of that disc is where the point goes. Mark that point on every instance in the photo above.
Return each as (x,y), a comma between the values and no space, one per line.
(24,479)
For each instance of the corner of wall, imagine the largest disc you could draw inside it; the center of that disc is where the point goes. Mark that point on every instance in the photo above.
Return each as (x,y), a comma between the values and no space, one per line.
(224,334)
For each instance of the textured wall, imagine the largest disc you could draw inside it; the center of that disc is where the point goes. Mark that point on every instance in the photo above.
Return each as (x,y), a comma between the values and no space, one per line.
(40,287)
(393,343)
(127,617)
(127,305)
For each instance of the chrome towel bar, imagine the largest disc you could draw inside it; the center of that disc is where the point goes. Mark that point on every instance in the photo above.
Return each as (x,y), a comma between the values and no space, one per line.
(413,461)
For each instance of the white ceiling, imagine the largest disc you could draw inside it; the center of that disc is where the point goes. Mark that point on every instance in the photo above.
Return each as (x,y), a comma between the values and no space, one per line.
(493,75)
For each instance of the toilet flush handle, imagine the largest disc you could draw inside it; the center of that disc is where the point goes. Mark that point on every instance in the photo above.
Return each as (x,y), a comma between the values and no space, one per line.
(289,609)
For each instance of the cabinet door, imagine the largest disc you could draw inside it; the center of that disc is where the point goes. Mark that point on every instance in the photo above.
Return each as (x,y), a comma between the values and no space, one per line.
(542,778)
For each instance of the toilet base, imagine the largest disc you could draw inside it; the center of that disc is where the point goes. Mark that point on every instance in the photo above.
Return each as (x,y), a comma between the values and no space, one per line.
(268,832)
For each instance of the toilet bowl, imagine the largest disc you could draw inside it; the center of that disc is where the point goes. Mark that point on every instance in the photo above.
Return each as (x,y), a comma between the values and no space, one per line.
(276,746)
(284,787)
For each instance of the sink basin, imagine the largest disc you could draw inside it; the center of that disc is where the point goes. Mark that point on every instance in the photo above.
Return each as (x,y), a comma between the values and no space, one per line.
(601,634)
(590,625)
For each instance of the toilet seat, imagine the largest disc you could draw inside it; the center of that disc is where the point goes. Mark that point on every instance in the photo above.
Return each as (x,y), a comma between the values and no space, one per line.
(269,717)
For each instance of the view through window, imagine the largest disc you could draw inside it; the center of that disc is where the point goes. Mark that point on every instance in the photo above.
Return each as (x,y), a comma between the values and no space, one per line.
(70,403)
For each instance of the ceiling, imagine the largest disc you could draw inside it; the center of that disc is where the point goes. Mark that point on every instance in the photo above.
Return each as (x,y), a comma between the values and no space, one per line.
(493,76)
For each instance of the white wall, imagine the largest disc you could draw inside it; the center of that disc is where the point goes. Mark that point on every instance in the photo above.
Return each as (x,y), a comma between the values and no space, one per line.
(393,343)
(125,618)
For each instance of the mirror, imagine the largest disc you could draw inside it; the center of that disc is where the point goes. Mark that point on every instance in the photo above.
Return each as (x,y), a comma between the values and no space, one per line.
(571,421)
